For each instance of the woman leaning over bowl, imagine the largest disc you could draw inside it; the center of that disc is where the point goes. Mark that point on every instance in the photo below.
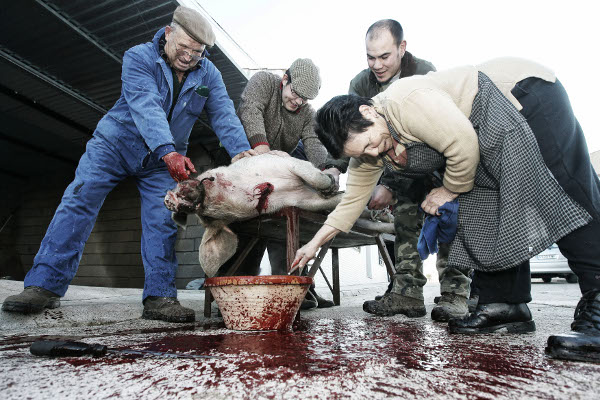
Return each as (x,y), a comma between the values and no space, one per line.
(504,139)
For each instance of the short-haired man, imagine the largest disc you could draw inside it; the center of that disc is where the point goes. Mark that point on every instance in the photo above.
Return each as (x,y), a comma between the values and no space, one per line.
(275,113)
(389,61)
(166,85)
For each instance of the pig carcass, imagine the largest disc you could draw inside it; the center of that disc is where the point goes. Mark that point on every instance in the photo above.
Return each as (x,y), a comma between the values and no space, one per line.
(248,188)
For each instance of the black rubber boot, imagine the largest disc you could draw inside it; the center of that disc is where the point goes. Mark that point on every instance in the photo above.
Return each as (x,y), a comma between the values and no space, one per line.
(584,343)
(393,303)
(487,318)
(32,299)
(167,309)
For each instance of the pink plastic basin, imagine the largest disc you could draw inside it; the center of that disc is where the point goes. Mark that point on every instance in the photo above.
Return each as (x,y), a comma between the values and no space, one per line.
(259,303)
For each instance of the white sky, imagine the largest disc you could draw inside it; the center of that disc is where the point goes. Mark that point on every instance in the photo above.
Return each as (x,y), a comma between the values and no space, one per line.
(559,34)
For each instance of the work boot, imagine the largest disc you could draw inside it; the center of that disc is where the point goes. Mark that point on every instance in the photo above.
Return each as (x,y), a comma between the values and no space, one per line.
(450,306)
(393,303)
(389,289)
(321,302)
(584,343)
(487,318)
(167,309)
(472,302)
(32,299)
(309,302)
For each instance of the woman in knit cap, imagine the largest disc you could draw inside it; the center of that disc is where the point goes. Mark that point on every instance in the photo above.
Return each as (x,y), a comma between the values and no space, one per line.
(275,113)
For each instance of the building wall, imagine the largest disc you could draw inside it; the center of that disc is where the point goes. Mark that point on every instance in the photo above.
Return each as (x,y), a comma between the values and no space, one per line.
(112,254)
(595,158)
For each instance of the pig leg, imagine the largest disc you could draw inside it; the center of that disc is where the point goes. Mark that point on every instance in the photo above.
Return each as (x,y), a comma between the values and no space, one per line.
(323,183)
(218,244)
(312,201)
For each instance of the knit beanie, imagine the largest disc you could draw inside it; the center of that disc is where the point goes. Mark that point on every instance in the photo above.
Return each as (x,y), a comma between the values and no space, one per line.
(305,78)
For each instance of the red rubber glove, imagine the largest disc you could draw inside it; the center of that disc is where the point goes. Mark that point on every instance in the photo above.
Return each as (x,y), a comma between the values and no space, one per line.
(180,167)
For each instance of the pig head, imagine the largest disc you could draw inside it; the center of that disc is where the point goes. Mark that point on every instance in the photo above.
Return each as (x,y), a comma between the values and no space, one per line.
(219,243)
(248,188)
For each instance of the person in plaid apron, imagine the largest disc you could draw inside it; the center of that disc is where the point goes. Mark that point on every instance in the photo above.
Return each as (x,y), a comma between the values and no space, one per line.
(510,149)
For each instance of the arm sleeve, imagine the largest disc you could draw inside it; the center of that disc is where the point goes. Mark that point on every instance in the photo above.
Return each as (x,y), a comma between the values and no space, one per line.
(222,117)
(362,178)
(315,151)
(339,163)
(142,95)
(253,104)
(352,89)
(357,86)
(432,117)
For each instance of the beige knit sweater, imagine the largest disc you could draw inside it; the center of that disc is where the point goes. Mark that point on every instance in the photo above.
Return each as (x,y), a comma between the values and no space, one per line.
(266,121)
(433,109)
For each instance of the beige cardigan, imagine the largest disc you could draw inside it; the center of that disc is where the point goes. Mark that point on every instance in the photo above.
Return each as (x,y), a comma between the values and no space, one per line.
(433,109)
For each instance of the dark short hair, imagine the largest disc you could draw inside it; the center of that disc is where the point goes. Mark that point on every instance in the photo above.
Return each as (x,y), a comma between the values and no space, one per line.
(390,25)
(337,118)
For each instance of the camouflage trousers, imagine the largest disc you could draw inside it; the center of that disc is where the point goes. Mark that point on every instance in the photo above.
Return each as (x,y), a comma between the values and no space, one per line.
(409,278)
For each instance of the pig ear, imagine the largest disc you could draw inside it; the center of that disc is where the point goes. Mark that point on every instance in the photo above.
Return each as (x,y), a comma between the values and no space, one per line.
(219,243)
(180,219)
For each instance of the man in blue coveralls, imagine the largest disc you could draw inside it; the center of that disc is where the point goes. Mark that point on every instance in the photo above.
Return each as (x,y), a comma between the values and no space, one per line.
(166,85)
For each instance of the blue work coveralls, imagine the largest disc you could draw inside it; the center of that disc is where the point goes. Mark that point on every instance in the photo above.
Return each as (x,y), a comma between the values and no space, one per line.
(130,141)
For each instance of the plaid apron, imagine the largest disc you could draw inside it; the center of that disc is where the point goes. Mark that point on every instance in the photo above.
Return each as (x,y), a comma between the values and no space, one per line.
(516,208)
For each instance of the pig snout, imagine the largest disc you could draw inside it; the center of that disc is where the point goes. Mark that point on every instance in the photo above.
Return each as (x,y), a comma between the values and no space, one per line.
(186,198)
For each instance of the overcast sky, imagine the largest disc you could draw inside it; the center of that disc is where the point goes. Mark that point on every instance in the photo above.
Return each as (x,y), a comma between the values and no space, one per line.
(559,34)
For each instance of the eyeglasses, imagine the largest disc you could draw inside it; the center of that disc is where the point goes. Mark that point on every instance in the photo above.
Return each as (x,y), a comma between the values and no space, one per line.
(296,95)
(193,54)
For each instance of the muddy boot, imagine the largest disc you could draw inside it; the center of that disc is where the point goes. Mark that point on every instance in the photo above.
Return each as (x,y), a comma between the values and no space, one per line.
(393,303)
(309,302)
(450,306)
(472,302)
(487,318)
(167,309)
(321,302)
(32,299)
(389,289)
(584,343)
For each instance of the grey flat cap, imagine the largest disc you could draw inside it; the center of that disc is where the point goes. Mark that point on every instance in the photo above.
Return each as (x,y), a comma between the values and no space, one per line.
(195,25)
(306,80)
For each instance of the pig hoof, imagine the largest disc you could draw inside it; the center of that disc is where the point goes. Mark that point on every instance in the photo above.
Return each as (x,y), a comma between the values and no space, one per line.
(332,190)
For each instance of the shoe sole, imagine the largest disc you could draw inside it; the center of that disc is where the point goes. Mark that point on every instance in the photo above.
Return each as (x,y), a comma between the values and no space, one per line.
(511,327)
(439,315)
(326,305)
(160,317)
(409,314)
(28,308)
(564,354)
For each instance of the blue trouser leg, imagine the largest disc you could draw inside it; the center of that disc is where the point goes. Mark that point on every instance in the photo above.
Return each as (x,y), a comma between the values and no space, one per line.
(159,233)
(57,260)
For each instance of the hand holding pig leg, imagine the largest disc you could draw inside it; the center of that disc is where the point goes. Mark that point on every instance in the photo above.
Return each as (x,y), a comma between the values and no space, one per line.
(325,183)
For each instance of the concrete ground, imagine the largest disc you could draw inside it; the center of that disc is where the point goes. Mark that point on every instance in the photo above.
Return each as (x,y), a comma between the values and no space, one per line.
(334,353)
